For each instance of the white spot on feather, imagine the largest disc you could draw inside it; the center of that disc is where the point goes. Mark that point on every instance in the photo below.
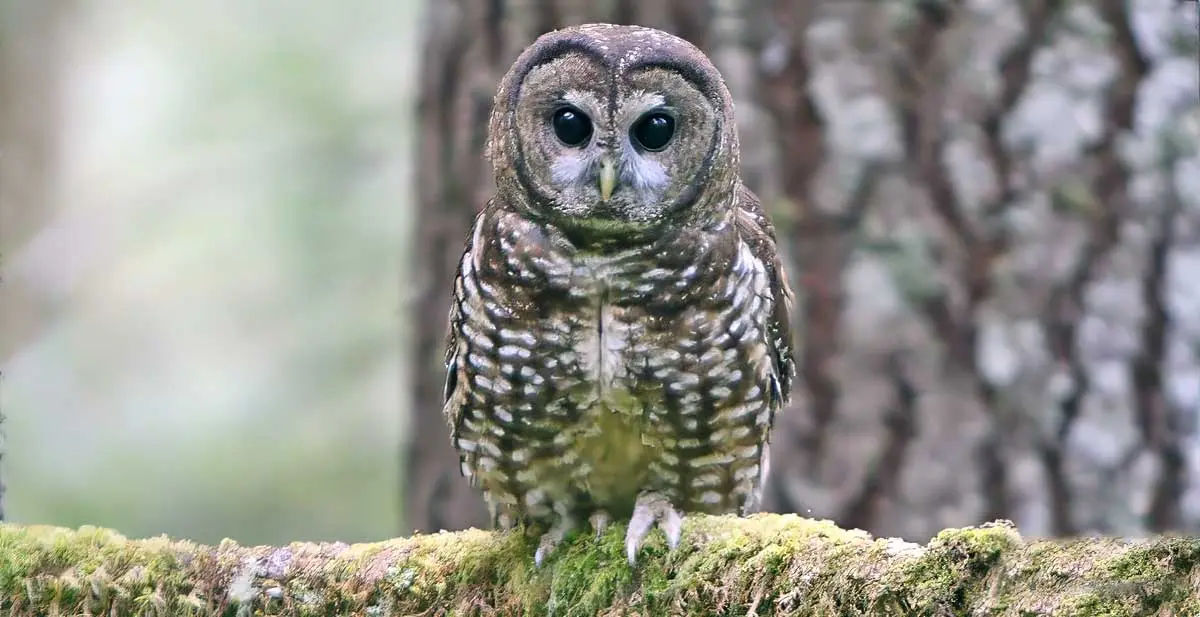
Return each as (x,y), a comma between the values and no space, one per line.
(602,349)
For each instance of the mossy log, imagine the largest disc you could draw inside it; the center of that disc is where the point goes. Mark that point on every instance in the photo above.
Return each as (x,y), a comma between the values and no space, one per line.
(762,565)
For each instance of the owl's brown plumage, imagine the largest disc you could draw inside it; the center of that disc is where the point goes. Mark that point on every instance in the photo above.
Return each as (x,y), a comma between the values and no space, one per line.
(619,336)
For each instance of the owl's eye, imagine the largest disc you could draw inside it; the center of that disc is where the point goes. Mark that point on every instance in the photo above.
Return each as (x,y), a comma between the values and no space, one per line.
(654,131)
(572,126)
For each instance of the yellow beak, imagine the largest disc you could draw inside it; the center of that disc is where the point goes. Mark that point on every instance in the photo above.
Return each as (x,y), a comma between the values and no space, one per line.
(608,178)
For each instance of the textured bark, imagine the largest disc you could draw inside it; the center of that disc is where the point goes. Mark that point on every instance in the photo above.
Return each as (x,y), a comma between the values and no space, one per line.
(925,141)
(833,452)
(901,422)
(816,242)
(1160,424)
(765,565)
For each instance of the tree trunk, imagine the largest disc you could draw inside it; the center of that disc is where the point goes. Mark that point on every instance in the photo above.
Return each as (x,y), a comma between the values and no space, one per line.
(32,58)
(956,393)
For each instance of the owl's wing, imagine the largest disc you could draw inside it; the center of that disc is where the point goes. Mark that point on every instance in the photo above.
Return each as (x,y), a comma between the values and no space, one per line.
(758,233)
(454,397)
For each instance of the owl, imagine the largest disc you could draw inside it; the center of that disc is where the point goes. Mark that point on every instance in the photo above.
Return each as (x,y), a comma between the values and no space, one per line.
(619,339)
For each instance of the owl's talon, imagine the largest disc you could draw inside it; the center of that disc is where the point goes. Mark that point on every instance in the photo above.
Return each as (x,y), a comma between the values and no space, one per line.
(651,508)
(599,520)
(672,526)
(551,539)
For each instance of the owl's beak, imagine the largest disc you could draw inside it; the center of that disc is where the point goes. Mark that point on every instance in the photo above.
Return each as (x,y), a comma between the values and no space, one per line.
(608,178)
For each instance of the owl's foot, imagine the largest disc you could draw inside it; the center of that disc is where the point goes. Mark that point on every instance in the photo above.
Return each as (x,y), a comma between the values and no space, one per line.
(651,508)
(551,539)
(599,520)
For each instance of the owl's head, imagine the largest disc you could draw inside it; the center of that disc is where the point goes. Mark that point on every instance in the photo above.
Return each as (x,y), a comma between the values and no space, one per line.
(614,130)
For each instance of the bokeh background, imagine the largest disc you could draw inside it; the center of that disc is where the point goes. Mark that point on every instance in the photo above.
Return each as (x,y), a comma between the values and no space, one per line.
(228,231)
(207,211)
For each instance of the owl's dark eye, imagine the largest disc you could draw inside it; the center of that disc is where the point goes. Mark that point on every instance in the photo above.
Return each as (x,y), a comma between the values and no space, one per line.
(571,126)
(654,131)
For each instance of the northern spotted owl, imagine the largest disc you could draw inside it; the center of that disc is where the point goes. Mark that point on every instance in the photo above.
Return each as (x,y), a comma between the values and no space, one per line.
(619,336)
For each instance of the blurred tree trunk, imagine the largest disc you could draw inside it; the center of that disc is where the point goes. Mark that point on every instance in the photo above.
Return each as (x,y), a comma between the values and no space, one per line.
(32,59)
(947,239)
(981,394)
(32,55)
(452,110)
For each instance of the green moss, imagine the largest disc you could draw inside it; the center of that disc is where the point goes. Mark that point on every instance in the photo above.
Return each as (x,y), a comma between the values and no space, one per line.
(954,569)
(92,568)
(1167,555)
(764,564)
(1157,572)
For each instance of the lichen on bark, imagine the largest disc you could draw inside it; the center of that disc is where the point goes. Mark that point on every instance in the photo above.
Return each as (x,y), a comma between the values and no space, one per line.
(761,565)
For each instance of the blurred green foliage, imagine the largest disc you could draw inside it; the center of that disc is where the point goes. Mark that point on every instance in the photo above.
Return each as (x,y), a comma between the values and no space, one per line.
(236,205)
